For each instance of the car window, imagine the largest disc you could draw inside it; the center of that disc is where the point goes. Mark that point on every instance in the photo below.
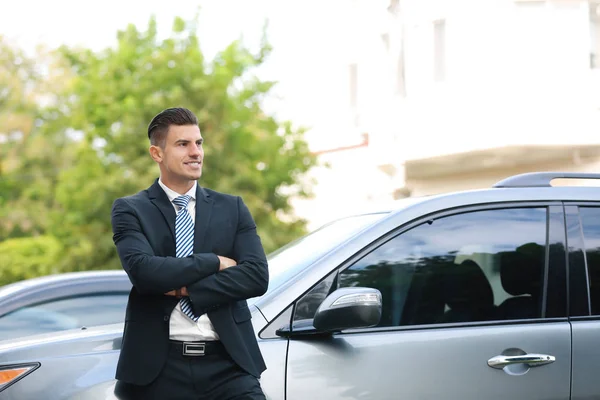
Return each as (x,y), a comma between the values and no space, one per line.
(62,314)
(477,266)
(590,220)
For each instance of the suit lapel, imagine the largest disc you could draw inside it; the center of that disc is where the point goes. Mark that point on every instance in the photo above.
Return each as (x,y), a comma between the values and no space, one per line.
(204,204)
(159,198)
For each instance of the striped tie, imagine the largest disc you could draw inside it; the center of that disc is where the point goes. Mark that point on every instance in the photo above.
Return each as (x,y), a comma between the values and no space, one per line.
(184,243)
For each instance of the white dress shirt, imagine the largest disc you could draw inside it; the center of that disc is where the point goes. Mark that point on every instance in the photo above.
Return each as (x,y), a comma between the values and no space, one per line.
(180,326)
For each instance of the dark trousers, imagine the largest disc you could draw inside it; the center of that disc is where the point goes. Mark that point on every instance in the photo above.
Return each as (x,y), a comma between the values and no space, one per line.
(212,376)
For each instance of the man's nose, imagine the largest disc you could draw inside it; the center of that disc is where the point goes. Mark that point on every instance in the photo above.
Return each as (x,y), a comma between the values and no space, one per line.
(195,151)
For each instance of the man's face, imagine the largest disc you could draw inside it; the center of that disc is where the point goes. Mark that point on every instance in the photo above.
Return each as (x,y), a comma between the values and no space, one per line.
(181,159)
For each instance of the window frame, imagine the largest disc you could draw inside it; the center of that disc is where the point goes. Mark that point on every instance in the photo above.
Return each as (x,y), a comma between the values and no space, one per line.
(553,208)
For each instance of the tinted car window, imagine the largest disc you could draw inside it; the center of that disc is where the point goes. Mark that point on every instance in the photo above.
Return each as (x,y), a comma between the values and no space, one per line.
(477,266)
(308,305)
(590,220)
(68,313)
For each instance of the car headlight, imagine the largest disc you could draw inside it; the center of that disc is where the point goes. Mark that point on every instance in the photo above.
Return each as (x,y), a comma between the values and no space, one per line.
(10,374)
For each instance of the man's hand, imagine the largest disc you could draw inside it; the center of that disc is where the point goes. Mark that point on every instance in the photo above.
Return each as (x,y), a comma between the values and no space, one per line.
(226,263)
(179,293)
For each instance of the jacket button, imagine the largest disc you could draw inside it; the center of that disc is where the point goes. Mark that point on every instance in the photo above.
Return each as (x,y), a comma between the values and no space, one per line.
(166,318)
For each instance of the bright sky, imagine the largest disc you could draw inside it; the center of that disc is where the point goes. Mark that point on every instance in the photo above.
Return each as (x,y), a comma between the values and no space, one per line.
(296,30)
(94,24)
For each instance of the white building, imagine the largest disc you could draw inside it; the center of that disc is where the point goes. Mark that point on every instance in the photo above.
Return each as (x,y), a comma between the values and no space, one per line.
(460,94)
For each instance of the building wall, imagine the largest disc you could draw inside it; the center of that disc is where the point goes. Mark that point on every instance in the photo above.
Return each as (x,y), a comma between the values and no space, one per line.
(511,76)
(486,178)
(346,181)
(441,77)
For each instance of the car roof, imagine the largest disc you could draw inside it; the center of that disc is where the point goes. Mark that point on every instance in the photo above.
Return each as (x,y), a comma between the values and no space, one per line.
(61,278)
(52,287)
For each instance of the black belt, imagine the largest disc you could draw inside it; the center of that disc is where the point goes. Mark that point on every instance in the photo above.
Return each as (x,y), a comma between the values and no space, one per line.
(197,349)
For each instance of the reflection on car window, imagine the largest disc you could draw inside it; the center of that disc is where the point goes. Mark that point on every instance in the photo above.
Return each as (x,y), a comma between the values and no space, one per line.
(307,306)
(590,219)
(69,313)
(478,266)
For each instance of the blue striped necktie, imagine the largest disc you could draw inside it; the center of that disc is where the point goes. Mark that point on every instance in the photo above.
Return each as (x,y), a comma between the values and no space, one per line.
(184,243)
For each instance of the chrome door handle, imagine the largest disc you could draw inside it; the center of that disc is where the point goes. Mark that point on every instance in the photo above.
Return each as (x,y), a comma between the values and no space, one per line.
(533,360)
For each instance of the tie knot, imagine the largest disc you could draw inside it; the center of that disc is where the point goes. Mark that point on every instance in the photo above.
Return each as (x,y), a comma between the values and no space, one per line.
(182,201)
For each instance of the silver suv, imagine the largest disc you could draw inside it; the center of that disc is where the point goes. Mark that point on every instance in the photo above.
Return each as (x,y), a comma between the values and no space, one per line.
(482,294)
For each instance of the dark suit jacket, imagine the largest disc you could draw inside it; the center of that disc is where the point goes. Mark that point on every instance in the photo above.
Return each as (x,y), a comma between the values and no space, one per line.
(144,234)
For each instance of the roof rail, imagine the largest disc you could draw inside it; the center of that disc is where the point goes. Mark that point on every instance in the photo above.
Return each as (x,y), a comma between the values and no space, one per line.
(541,179)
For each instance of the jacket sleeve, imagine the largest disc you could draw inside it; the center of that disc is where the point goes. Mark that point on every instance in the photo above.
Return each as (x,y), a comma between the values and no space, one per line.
(249,278)
(147,272)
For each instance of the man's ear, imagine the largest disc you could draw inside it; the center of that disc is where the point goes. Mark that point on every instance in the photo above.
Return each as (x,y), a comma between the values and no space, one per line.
(156,153)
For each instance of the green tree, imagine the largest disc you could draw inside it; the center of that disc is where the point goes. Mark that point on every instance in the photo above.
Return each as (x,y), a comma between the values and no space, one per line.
(32,151)
(89,145)
(17,116)
(29,257)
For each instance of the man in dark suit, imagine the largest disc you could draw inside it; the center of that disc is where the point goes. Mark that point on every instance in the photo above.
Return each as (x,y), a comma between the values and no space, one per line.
(193,257)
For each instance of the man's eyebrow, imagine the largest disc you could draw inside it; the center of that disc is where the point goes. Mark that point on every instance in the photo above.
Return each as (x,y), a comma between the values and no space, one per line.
(187,141)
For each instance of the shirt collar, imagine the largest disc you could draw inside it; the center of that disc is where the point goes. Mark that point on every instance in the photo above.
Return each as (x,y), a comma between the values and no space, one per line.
(172,195)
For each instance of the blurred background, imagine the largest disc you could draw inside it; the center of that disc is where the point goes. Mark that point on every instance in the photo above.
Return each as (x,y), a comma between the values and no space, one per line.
(309,110)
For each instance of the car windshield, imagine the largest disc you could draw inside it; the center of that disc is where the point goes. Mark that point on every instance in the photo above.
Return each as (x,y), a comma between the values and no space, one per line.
(290,259)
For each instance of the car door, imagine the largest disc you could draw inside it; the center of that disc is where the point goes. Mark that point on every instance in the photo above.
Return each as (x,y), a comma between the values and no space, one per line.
(468,296)
(583,238)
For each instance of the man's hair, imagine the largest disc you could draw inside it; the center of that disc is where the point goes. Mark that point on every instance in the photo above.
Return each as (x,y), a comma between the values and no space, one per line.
(159,126)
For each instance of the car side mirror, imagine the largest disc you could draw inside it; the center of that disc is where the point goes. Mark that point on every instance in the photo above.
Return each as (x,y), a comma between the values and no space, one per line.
(346,308)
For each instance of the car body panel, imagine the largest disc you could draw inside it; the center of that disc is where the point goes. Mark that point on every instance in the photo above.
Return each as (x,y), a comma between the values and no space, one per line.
(273,379)
(82,363)
(586,360)
(70,361)
(430,364)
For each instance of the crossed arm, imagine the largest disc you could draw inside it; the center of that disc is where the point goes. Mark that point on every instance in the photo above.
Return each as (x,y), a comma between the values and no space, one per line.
(208,279)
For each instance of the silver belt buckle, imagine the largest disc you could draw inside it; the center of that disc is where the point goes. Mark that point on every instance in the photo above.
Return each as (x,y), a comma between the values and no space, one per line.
(193,349)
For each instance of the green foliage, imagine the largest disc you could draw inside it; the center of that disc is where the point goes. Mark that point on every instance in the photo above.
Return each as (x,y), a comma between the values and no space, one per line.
(24,258)
(89,145)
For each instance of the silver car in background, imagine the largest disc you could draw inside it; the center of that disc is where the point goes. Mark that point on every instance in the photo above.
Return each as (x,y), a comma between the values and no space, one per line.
(489,294)
(63,301)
